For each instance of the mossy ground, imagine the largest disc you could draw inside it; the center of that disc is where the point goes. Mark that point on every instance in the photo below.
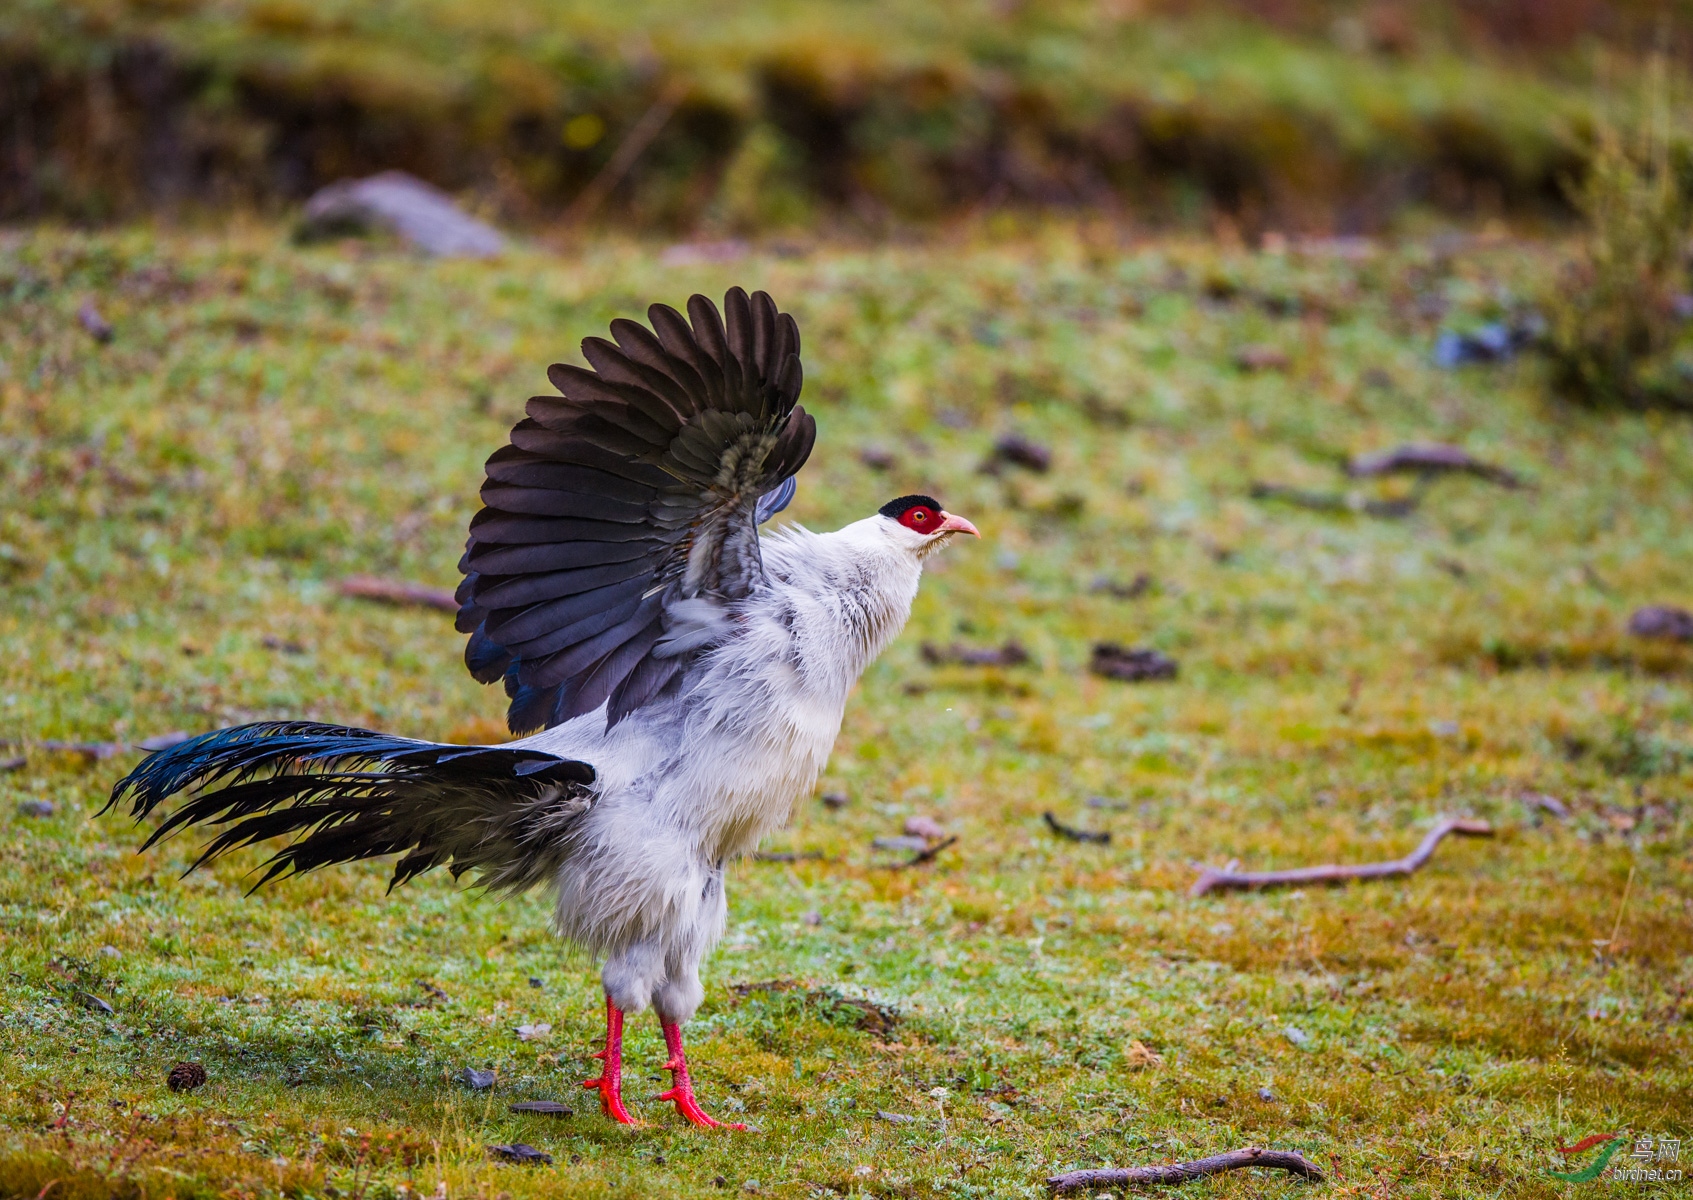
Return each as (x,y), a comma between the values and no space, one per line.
(267,419)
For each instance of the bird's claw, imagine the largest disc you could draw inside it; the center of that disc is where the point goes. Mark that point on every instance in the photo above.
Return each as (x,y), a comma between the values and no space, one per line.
(681,1092)
(682,1096)
(611,1098)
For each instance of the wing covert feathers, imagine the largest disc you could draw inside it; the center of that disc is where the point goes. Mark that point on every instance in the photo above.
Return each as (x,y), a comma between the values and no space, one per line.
(637,487)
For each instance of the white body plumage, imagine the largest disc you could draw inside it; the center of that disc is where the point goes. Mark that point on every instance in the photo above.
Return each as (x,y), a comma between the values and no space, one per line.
(688,783)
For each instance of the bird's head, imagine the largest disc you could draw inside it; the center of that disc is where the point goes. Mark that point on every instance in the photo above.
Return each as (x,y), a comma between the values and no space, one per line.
(920,524)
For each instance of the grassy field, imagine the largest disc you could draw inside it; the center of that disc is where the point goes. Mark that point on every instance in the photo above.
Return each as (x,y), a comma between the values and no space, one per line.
(265,419)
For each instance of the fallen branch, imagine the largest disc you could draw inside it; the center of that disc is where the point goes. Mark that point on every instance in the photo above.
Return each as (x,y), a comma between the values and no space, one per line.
(634,143)
(1339,502)
(928,854)
(1430,459)
(1012,654)
(1227,877)
(397,591)
(1234,1160)
(1102,837)
(92,751)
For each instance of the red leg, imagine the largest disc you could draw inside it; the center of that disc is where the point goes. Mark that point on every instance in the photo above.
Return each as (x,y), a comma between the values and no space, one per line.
(610,1082)
(682,1088)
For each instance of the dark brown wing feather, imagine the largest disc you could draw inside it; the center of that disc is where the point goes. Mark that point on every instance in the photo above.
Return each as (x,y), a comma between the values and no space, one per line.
(632,489)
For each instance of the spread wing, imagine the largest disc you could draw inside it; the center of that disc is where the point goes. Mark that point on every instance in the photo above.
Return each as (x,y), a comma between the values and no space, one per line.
(622,520)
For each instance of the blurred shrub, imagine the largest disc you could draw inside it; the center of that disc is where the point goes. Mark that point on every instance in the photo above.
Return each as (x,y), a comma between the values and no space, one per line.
(1618,318)
(873,108)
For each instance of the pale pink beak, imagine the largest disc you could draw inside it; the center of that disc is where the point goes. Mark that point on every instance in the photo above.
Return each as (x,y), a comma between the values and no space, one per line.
(952,524)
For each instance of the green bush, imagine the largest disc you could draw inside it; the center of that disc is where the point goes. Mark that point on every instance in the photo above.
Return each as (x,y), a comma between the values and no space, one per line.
(1618,315)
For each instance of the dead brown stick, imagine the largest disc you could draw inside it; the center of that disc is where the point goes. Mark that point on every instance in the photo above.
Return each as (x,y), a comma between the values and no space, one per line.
(639,137)
(1234,1160)
(1211,878)
(92,751)
(923,856)
(397,591)
(1430,459)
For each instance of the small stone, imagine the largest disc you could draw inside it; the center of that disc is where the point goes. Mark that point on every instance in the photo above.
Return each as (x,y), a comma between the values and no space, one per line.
(924,827)
(813,918)
(91,1001)
(895,1118)
(546,1108)
(423,216)
(836,799)
(111,952)
(1296,1035)
(535,982)
(1131,664)
(878,458)
(1020,451)
(476,1079)
(1137,587)
(185,1077)
(1662,621)
(1266,1095)
(95,325)
(751,1185)
(907,843)
(1261,358)
(530,1033)
(35,808)
(520,1152)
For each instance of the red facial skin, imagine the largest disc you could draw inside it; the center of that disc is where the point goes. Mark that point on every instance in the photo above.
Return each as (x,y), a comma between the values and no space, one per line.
(922,519)
(925,520)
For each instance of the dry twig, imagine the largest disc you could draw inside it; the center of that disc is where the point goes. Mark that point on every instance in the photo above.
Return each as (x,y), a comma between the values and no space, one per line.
(397,591)
(1234,1160)
(928,855)
(1430,459)
(1339,502)
(1211,878)
(1012,654)
(92,751)
(1100,837)
(634,143)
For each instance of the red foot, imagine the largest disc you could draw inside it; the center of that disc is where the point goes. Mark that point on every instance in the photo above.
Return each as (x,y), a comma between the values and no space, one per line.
(682,1089)
(610,1082)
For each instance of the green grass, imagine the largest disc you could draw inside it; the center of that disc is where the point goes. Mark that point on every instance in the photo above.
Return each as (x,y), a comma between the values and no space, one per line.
(267,419)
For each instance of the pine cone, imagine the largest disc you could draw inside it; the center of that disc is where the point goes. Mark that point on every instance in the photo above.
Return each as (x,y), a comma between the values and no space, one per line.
(185,1077)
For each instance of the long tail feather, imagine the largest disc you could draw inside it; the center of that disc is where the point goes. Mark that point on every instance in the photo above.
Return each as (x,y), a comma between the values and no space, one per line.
(352,794)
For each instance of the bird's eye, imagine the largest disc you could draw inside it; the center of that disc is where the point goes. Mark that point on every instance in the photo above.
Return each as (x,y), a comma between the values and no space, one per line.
(918,519)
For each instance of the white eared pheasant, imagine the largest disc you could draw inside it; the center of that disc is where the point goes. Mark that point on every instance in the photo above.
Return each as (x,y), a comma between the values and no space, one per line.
(687,676)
